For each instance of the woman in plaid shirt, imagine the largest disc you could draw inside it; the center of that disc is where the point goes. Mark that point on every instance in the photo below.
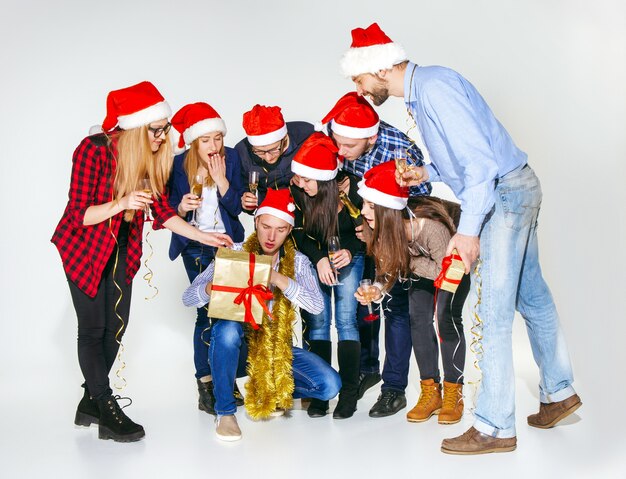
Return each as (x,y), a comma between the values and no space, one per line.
(99,238)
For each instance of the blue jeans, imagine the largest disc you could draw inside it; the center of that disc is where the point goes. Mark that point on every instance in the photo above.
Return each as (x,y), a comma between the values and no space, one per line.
(312,376)
(196,258)
(512,280)
(397,338)
(345,305)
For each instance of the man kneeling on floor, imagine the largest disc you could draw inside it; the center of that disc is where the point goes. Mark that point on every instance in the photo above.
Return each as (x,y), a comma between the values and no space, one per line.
(296,373)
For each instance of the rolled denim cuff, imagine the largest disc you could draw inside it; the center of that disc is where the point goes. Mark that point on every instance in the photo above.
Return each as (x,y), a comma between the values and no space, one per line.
(494,431)
(560,395)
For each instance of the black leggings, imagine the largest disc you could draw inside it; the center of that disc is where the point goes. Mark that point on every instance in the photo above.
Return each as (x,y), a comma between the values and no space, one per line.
(450,325)
(98,324)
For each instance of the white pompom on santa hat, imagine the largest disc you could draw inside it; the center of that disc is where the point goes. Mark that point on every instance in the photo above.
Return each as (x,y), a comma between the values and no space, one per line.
(317,158)
(196,119)
(379,186)
(264,125)
(352,117)
(135,106)
(278,203)
(371,51)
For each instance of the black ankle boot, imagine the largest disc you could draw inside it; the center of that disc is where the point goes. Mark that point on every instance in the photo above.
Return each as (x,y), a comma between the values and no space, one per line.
(206,398)
(116,425)
(349,358)
(87,412)
(317,407)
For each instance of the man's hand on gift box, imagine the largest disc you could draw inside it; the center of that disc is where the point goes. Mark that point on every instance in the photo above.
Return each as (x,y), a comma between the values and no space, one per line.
(468,248)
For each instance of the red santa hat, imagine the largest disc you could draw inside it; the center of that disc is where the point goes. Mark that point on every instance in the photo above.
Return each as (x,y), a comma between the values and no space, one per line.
(379,186)
(371,51)
(264,125)
(352,117)
(278,203)
(316,158)
(135,106)
(196,119)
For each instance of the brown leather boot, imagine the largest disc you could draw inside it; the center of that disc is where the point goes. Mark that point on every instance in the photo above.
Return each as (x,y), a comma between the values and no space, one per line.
(452,405)
(551,413)
(429,402)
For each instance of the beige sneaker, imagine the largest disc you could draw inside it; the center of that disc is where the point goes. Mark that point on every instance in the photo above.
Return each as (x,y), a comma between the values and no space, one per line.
(227,429)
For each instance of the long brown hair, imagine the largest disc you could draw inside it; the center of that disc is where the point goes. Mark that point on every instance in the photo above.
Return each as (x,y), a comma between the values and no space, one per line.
(320,211)
(435,209)
(193,161)
(136,160)
(388,246)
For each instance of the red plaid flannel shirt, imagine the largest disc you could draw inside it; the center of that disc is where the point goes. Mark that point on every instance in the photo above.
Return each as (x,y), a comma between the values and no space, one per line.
(85,250)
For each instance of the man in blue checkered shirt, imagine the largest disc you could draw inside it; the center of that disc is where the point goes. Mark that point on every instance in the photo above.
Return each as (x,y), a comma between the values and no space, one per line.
(364,141)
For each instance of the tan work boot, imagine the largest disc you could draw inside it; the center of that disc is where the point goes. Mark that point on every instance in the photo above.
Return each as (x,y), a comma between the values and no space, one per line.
(473,441)
(429,402)
(551,413)
(452,405)
(227,429)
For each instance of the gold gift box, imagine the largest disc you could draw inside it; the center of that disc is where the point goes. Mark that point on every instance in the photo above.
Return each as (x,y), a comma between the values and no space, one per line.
(453,275)
(232,272)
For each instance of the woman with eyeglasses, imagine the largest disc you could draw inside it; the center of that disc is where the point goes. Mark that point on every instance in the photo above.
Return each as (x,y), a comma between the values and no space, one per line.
(268,149)
(215,207)
(325,216)
(118,180)
(409,239)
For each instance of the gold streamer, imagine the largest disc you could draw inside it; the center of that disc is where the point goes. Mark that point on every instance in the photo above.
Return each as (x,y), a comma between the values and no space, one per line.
(150,274)
(270,358)
(118,358)
(476,346)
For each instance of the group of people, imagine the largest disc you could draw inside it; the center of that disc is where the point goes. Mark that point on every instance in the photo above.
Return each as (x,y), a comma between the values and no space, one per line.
(346,215)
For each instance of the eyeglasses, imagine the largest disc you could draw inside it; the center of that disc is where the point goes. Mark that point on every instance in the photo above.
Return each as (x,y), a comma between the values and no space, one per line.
(277,150)
(160,130)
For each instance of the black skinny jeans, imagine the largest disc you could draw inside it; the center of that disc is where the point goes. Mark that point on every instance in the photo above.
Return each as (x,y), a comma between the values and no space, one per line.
(98,323)
(449,323)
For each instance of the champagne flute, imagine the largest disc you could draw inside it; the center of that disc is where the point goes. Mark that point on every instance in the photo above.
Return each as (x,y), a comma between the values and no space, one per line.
(146,187)
(368,292)
(196,189)
(399,156)
(253,183)
(333,247)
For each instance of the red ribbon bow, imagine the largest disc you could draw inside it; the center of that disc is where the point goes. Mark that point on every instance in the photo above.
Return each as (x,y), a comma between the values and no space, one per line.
(445,264)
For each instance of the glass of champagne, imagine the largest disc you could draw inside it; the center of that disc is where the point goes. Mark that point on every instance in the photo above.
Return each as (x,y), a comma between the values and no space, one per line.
(333,247)
(368,293)
(399,156)
(196,189)
(146,187)
(253,183)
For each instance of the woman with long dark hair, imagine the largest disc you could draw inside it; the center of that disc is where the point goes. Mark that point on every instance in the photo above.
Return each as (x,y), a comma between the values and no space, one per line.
(118,178)
(326,219)
(409,239)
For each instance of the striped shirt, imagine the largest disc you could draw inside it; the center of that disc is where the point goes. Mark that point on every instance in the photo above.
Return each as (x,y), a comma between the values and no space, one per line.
(304,292)
(389,138)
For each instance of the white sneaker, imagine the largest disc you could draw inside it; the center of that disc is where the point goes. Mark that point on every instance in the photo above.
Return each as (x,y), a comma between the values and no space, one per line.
(227,429)
(277,412)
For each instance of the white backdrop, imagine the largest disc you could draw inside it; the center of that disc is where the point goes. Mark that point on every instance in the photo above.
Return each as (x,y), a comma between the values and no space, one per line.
(554,72)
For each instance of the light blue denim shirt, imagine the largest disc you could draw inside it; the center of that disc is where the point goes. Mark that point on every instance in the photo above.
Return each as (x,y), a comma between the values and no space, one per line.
(469,148)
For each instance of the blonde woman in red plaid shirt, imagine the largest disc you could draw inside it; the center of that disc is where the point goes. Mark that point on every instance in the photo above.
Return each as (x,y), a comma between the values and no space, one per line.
(99,238)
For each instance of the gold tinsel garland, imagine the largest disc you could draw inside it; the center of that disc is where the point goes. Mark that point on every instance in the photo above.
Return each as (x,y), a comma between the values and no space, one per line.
(270,355)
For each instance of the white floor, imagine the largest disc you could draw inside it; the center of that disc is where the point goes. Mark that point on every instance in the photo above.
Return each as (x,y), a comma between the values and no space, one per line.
(38,437)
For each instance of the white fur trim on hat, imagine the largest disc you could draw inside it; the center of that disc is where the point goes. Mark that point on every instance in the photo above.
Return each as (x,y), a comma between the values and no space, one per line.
(312,173)
(353,132)
(202,128)
(268,138)
(268,210)
(143,117)
(379,198)
(372,59)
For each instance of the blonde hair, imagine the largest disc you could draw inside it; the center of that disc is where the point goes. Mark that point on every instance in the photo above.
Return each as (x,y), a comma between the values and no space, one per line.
(193,162)
(136,161)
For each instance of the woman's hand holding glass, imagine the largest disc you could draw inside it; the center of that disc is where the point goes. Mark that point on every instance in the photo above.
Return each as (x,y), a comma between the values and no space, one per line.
(365,294)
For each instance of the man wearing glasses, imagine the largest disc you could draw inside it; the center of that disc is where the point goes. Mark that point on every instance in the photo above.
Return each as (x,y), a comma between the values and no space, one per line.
(268,150)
